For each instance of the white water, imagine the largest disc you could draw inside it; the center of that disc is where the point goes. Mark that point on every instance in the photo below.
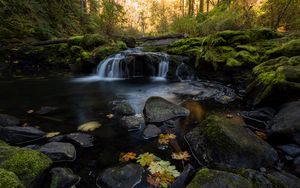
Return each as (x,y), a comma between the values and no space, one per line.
(115,67)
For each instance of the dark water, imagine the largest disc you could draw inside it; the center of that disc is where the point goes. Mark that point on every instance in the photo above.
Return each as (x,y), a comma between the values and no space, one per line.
(83,100)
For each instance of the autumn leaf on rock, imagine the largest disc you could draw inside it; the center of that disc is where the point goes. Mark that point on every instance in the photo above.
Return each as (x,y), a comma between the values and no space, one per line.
(181,156)
(127,156)
(146,159)
(158,179)
(166,138)
(163,167)
(261,135)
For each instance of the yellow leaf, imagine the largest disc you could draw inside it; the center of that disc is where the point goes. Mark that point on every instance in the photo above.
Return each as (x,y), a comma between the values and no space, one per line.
(181,156)
(109,116)
(166,138)
(89,126)
(146,158)
(127,156)
(52,134)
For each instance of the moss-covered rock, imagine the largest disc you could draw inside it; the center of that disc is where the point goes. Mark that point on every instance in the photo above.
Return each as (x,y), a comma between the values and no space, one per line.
(207,178)
(27,164)
(288,49)
(273,77)
(9,180)
(217,141)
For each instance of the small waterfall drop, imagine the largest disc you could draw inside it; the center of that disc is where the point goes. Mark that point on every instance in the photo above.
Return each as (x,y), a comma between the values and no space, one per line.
(121,65)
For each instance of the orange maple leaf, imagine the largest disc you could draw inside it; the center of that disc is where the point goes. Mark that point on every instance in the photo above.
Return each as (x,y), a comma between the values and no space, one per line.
(181,156)
(127,156)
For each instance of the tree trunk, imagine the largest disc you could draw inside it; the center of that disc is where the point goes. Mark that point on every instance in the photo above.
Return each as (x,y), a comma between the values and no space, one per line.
(207,5)
(201,6)
(281,15)
(182,7)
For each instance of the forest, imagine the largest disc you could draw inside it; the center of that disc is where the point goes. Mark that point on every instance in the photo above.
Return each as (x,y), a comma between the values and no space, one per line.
(150,93)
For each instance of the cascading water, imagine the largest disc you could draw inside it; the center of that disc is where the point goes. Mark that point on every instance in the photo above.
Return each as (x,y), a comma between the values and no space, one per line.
(117,66)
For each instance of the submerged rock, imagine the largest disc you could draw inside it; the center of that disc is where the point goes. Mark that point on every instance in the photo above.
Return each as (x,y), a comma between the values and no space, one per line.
(158,110)
(290,149)
(151,131)
(8,120)
(127,176)
(59,151)
(132,122)
(286,123)
(184,177)
(81,139)
(260,118)
(46,110)
(124,109)
(207,178)
(27,164)
(217,141)
(63,178)
(18,135)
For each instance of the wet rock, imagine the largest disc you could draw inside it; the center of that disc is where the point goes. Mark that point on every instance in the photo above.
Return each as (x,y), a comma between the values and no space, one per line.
(63,178)
(217,141)
(81,139)
(184,72)
(207,178)
(58,138)
(34,147)
(132,122)
(283,179)
(287,122)
(18,135)
(59,151)
(290,149)
(158,110)
(184,177)
(151,131)
(257,178)
(296,165)
(124,109)
(8,120)
(260,118)
(27,164)
(126,176)
(46,110)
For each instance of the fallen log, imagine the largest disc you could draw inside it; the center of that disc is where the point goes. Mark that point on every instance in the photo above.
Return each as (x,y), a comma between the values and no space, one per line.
(174,36)
(48,42)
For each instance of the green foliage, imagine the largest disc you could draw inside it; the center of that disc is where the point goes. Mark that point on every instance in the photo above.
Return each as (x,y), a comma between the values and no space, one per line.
(146,159)
(9,180)
(163,167)
(185,25)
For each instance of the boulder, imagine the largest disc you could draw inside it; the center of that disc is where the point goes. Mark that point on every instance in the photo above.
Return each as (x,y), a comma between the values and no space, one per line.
(158,110)
(25,163)
(124,109)
(151,131)
(9,180)
(296,165)
(290,149)
(286,123)
(181,180)
(126,176)
(132,122)
(80,139)
(18,135)
(259,118)
(207,178)
(63,178)
(283,179)
(217,141)
(8,120)
(46,110)
(59,151)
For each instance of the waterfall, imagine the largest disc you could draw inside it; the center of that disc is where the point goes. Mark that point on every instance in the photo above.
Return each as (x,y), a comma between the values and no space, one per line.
(118,67)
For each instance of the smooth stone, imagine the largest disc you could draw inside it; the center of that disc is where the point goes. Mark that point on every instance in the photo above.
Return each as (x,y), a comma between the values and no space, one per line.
(81,139)
(157,110)
(260,118)
(59,151)
(284,179)
(58,138)
(181,181)
(124,109)
(151,131)
(287,122)
(217,141)
(8,120)
(120,177)
(18,135)
(63,178)
(132,122)
(291,149)
(46,110)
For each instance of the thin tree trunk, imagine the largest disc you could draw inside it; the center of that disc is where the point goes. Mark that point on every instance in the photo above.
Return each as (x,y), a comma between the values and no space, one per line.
(207,5)
(281,15)
(201,6)
(182,7)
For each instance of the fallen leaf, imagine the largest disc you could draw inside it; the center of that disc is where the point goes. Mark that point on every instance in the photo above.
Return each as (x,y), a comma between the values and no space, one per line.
(89,126)
(30,111)
(127,156)
(181,156)
(109,116)
(52,134)
(166,138)
(261,135)
(146,159)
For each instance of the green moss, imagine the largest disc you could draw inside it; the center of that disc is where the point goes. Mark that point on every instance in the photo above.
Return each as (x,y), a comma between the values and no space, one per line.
(86,56)
(9,180)
(248,48)
(75,41)
(231,62)
(25,163)
(289,49)
(2,143)
(92,41)
(121,45)
(294,60)
(75,50)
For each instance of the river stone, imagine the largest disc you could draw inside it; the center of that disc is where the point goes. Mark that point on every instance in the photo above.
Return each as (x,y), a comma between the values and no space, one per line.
(124,109)
(296,165)
(260,118)
(184,176)
(46,110)
(132,122)
(287,122)
(284,179)
(8,120)
(151,131)
(9,180)
(63,178)
(81,139)
(18,135)
(126,176)
(207,178)
(218,141)
(158,110)
(290,149)
(59,151)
